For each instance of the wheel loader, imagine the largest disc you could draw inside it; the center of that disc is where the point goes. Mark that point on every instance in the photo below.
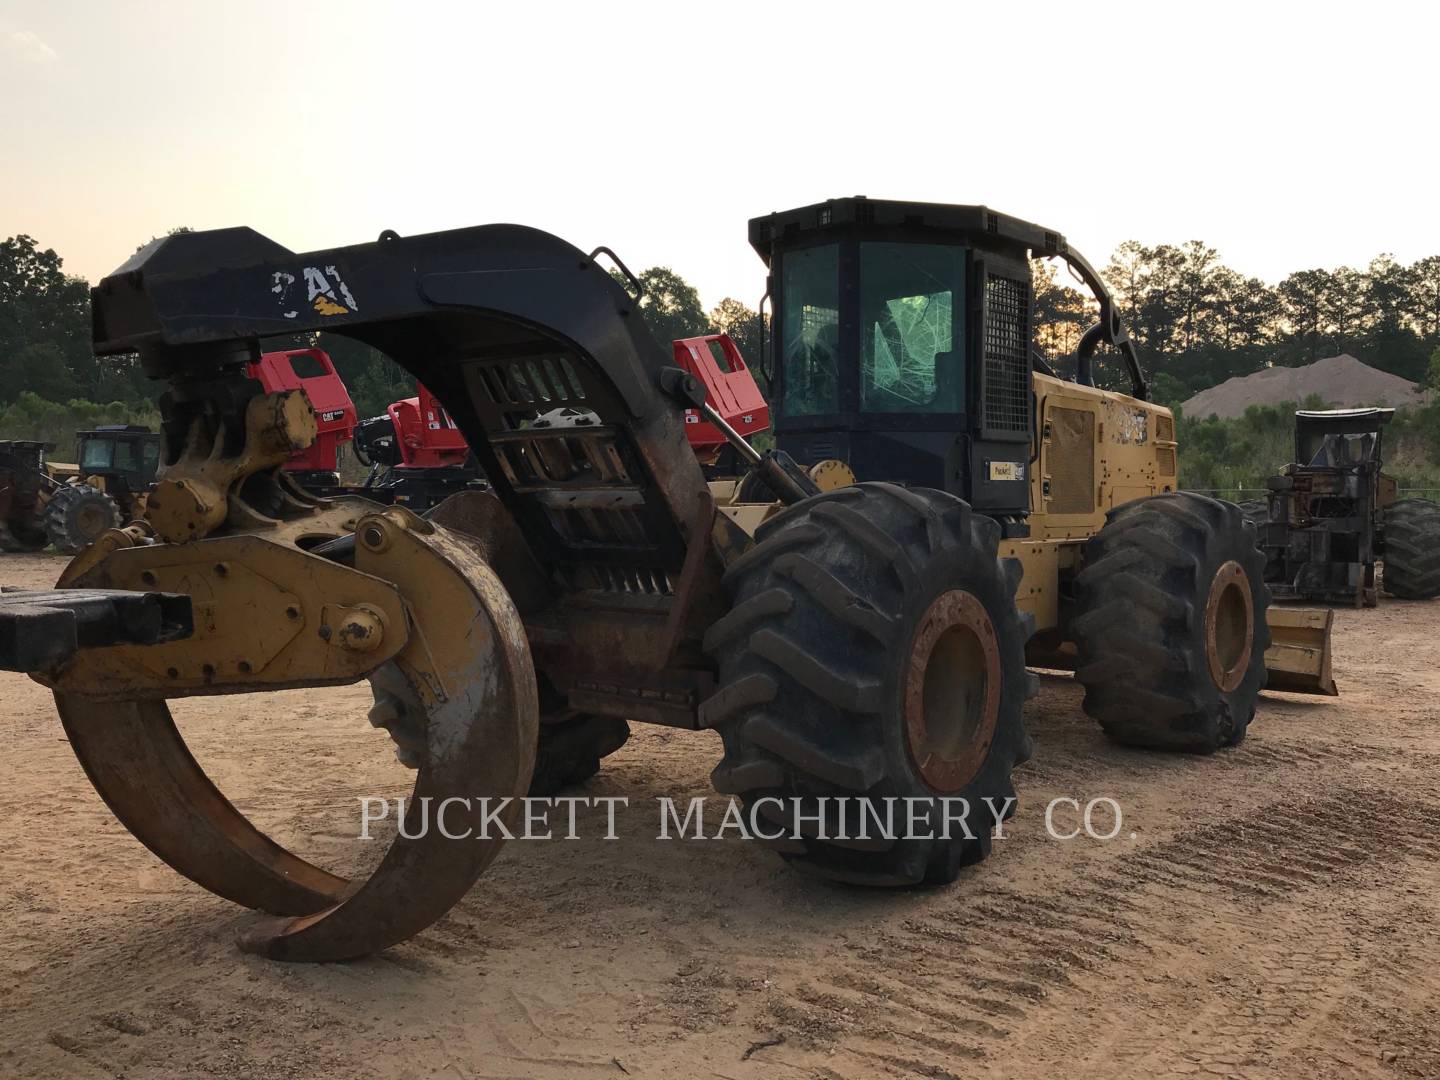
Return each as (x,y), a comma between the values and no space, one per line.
(866,643)
(116,466)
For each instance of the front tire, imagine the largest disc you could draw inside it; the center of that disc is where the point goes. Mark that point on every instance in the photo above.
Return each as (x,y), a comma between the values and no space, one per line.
(77,515)
(1170,625)
(873,652)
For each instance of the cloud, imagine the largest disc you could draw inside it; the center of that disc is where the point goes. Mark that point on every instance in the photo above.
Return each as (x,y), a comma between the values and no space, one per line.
(27,45)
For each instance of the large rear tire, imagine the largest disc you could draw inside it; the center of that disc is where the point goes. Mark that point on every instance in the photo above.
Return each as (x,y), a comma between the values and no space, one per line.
(1412,550)
(77,515)
(873,652)
(1170,625)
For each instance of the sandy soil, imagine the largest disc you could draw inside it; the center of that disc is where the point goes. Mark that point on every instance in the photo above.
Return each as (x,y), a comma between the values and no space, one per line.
(1271,911)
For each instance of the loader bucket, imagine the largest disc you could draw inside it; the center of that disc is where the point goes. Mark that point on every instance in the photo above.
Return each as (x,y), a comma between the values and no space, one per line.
(1298,660)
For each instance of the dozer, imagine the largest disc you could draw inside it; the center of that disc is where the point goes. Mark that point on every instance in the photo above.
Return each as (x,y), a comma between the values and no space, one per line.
(864,643)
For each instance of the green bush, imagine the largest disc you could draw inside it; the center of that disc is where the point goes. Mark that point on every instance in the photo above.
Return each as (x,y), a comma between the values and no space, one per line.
(1233,458)
(31,416)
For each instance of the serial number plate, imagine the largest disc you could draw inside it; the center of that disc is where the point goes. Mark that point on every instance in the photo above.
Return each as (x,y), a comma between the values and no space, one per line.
(1007,470)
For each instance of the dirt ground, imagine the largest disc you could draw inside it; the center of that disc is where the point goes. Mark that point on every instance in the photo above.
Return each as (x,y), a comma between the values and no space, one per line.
(1271,911)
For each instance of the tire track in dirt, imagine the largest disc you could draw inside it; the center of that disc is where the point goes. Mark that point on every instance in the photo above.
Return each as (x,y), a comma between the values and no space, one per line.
(1256,927)
(986,966)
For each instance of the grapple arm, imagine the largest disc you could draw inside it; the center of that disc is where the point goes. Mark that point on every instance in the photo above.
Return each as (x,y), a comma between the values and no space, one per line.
(41,629)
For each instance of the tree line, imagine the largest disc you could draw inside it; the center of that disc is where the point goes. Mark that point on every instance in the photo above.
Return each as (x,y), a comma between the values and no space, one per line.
(1195,322)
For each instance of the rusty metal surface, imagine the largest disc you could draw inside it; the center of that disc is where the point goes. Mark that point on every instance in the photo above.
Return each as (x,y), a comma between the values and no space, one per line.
(485,520)
(467,660)
(140,765)
(670,698)
(1229,626)
(948,735)
(469,663)
(688,584)
(265,617)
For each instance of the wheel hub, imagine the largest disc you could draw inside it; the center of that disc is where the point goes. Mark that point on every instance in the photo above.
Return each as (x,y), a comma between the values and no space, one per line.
(1229,626)
(952,691)
(92,520)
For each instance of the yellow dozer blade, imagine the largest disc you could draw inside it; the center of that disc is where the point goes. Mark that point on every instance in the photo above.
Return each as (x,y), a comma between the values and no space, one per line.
(1297,662)
(1298,659)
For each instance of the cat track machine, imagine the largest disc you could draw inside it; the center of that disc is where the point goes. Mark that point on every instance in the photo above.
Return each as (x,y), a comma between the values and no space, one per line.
(864,643)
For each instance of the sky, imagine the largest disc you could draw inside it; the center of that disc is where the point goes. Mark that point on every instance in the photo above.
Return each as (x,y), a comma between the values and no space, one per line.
(1287,135)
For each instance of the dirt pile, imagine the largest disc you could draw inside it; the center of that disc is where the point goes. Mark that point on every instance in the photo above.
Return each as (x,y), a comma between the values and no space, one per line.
(1342,381)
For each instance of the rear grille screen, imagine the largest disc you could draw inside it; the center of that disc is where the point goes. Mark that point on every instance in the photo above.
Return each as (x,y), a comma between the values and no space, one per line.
(1007,355)
(576,478)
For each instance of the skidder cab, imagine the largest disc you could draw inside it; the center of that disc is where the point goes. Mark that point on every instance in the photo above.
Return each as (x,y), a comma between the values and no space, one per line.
(903,345)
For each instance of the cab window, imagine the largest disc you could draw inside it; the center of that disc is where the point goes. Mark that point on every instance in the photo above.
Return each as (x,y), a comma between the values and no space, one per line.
(127,458)
(810,331)
(96,454)
(911,328)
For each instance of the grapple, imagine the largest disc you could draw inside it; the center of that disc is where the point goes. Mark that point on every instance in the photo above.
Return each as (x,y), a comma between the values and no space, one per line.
(237,581)
(267,615)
